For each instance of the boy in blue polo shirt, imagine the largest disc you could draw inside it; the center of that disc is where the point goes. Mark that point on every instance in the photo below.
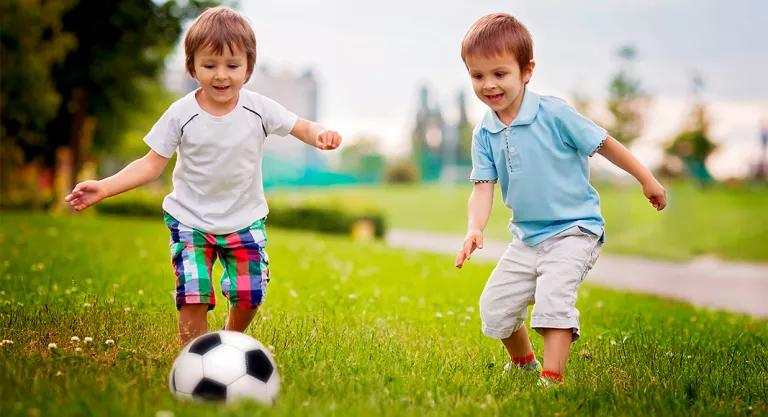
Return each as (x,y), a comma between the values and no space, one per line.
(537,148)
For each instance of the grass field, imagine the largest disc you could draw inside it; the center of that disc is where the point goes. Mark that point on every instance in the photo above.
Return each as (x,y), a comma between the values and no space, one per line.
(729,223)
(357,328)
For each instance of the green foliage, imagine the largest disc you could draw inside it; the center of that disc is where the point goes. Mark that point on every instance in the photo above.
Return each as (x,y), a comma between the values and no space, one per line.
(627,102)
(32,40)
(362,159)
(694,141)
(121,44)
(331,215)
(402,172)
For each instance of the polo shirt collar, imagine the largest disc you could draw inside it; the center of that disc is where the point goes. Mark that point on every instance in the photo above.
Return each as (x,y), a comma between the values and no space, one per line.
(528,110)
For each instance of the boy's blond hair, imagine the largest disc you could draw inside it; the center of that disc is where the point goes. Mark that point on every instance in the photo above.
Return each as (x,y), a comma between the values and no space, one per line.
(496,34)
(216,28)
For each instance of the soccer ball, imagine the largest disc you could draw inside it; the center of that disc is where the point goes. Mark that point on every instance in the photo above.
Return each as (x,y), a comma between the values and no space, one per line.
(225,366)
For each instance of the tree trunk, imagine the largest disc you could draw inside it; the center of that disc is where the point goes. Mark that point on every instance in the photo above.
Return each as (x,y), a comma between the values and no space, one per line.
(76,134)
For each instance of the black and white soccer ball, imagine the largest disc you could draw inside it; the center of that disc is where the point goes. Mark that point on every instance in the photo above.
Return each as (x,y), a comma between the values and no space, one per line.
(225,366)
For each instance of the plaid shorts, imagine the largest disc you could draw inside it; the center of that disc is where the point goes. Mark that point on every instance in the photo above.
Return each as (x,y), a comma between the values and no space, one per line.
(241,253)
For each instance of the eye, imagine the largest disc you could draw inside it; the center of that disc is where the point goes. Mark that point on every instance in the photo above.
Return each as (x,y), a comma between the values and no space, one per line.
(500,74)
(208,66)
(478,76)
(233,66)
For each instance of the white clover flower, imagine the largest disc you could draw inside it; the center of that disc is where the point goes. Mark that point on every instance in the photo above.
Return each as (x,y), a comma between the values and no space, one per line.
(88,340)
(467,318)
(271,348)
(78,350)
(141,292)
(438,315)
(352,296)
(59,373)
(52,346)
(110,342)
(293,293)
(75,339)
(127,309)
(87,305)
(613,342)
(7,342)
(450,313)
(470,309)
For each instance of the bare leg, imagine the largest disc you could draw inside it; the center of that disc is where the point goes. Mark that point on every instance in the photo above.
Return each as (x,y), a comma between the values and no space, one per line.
(193,322)
(557,345)
(518,344)
(239,319)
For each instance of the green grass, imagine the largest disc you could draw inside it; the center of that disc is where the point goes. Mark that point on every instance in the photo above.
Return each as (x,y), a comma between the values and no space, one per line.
(356,331)
(729,223)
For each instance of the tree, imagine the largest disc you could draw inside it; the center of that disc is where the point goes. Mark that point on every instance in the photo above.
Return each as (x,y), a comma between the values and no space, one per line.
(363,159)
(693,144)
(627,101)
(121,48)
(32,40)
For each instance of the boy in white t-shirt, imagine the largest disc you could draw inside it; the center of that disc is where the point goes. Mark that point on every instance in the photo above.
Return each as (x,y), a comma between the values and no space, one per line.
(217,207)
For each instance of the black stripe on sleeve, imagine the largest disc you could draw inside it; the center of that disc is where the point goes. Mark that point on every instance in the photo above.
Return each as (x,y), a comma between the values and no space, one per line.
(185,124)
(260,118)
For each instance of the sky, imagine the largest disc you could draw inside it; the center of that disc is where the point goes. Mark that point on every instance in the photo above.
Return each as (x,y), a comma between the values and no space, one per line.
(371,57)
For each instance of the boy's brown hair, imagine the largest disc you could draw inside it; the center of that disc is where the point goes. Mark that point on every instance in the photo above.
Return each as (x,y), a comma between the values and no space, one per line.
(217,28)
(496,34)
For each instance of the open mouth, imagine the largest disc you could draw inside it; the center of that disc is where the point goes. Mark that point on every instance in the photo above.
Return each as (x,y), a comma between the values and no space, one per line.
(495,98)
(220,88)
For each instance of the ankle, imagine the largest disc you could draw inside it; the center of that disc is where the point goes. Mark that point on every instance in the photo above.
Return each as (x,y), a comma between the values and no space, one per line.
(523,360)
(553,376)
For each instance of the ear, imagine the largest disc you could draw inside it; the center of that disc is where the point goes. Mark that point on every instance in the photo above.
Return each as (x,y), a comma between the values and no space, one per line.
(527,72)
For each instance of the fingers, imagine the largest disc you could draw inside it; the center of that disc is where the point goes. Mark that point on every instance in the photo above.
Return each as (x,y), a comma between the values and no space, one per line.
(330,139)
(460,259)
(479,242)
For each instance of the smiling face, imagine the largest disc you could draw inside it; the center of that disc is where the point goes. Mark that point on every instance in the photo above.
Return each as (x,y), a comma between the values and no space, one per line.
(499,82)
(221,76)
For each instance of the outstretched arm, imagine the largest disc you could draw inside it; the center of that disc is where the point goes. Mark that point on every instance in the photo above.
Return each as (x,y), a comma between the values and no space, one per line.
(314,134)
(136,174)
(615,152)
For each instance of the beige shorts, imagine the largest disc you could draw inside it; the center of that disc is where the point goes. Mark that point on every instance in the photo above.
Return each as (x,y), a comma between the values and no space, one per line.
(545,275)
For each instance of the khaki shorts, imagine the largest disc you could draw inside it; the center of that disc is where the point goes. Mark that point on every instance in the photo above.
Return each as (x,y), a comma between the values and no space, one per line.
(545,275)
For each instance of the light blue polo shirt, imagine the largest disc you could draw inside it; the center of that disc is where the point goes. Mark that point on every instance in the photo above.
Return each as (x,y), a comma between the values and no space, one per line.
(541,163)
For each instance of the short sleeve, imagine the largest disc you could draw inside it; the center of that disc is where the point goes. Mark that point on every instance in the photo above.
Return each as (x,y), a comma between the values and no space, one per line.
(165,135)
(483,167)
(277,120)
(579,132)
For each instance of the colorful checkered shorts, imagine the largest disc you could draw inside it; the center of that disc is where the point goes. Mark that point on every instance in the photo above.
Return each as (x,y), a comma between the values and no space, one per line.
(241,253)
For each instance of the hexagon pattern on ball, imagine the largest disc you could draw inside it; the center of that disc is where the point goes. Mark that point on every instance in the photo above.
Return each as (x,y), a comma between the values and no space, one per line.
(257,365)
(240,341)
(188,371)
(209,389)
(204,343)
(225,365)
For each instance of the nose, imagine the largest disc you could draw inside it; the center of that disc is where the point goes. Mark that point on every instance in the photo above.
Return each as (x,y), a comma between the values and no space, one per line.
(220,74)
(489,85)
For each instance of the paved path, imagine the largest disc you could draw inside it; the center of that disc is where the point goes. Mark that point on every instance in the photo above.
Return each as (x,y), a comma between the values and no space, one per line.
(732,286)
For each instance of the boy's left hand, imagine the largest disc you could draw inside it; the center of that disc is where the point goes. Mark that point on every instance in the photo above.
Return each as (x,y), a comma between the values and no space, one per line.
(656,194)
(328,139)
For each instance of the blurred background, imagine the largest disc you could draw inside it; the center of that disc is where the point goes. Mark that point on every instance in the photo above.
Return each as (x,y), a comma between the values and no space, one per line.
(680,82)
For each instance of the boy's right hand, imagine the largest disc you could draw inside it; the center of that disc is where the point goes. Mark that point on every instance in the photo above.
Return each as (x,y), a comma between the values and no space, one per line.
(474,240)
(86,194)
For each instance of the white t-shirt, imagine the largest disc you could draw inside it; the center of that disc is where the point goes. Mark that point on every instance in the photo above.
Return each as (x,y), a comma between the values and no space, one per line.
(217,182)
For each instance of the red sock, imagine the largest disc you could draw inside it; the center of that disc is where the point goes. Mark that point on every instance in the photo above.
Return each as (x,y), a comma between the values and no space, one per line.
(553,376)
(524,359)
